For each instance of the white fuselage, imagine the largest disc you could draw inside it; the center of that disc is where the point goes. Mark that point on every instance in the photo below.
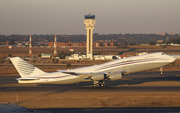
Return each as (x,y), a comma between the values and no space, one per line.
(126,66)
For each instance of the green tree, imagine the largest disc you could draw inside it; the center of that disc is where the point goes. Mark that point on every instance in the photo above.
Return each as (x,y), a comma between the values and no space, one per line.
(63,55)
(39,55)
(68,65)
(101,44)
(164,47)
(125,45)
(1,60)
(132,43)
(152,43)
(9,55)
(55,60)
(34,61)
(115,44)
(12,42)
(9,62)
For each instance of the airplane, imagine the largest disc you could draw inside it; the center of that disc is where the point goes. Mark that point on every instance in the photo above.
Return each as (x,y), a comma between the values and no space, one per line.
(113,70)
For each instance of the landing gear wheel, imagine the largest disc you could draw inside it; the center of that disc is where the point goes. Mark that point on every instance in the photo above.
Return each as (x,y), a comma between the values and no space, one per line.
(98,83)
(161,70)
(101,83)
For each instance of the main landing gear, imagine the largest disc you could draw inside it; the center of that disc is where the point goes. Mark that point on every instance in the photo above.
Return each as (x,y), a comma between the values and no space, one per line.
(98,83)
(161,70)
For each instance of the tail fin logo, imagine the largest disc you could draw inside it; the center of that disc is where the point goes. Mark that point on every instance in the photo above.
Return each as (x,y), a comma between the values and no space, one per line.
(25,68)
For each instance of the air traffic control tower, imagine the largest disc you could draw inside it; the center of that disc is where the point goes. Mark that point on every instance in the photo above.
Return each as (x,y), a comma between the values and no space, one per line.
(89,22)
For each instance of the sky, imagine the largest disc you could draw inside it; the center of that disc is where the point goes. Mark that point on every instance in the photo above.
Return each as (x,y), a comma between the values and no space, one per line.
(66,17)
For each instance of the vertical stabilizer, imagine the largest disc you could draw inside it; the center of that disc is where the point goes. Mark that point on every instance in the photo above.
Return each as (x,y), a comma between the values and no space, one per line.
(24,68)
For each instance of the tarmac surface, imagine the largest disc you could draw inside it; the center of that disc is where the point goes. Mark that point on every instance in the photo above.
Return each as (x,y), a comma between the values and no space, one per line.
(111,86)
(14,108)
(116,110)
(60,89)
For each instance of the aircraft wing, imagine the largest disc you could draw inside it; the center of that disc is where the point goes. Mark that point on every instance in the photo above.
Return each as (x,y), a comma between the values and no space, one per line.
(81,74)
(89,74)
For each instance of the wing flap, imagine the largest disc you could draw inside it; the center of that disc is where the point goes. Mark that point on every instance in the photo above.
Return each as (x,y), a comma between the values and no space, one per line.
(77,73)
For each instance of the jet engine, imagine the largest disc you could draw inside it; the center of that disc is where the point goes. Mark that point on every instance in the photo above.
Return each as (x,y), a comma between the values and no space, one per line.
(98,76)
(115,76)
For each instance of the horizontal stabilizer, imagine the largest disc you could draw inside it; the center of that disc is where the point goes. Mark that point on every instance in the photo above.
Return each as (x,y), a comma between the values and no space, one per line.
(60,70)
(26,79)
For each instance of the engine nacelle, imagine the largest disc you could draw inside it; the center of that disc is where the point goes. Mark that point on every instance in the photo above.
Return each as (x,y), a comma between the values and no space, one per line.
(115,76)
(98,76)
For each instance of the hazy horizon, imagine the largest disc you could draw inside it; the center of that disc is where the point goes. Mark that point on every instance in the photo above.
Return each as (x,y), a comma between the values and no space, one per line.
(66,17)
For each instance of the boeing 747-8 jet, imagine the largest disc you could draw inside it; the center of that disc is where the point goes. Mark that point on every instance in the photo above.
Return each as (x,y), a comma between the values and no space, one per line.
(112,70)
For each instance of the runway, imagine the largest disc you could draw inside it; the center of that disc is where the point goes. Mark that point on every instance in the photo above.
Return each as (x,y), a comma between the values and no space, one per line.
(116,110)
(131,82)
(60,89)
(127,84)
